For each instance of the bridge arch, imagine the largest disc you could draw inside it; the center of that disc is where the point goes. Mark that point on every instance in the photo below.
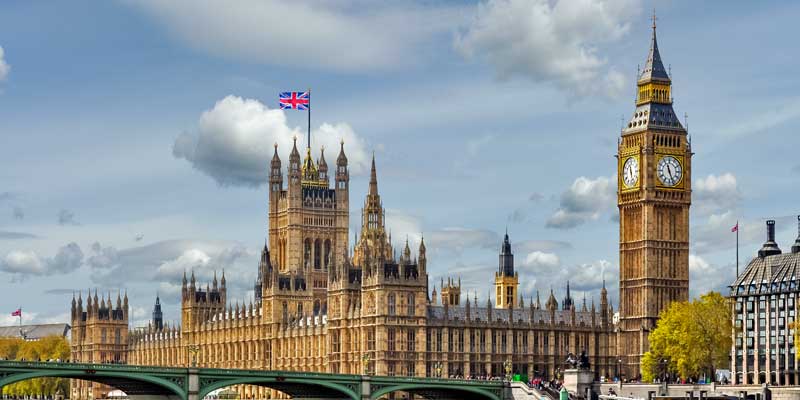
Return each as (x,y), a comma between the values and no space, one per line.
(119,380)
(286,385)
(432,389)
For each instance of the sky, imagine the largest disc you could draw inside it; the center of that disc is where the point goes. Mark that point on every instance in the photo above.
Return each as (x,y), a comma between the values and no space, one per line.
(135,135)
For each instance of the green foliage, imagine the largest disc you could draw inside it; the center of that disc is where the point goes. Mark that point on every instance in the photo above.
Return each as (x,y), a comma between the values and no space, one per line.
(691,338)
(50,347)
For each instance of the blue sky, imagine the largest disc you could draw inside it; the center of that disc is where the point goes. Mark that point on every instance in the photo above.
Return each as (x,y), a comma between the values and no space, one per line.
(135,134)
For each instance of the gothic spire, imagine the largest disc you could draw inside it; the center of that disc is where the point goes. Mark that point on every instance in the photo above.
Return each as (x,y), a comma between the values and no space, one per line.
(654,67)
(373,178)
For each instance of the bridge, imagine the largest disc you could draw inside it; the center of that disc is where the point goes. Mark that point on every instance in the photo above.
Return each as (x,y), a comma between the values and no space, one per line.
(165,383)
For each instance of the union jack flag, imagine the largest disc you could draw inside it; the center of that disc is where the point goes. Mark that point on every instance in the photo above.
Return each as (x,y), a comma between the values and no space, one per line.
(295,100)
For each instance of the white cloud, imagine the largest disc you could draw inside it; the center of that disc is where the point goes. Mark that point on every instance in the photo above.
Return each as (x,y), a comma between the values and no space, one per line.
(705,277)
(715,193)
(541,259)
(22,263)
(585,200)
(4,67)
(714,234)
(234,142)
(550,41)
(330,35)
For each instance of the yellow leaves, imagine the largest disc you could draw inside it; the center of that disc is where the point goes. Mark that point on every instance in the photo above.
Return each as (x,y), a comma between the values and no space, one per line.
(50,347)
(691,338)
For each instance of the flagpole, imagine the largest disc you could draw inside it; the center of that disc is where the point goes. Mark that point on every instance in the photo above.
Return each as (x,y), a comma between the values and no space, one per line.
(309,118)
(737,249)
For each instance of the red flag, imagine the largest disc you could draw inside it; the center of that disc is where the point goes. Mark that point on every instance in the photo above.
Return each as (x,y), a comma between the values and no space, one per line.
(735,227)
(17,313)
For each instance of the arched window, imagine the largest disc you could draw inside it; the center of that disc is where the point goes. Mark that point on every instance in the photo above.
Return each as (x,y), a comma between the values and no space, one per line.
(300,310)
(307,252)
(285,312)
(410,305)
(327,253)
(391,304)
(316,307)
(317,254)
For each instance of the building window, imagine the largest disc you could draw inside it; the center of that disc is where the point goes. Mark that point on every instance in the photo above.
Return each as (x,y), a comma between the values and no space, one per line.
(410,369)
(117,336)
(103,338)
(391,304)
(450,340)
(390,339)
(411,340)
(371,339)
(439,340)
(335,342)
(390,368)
(410,308)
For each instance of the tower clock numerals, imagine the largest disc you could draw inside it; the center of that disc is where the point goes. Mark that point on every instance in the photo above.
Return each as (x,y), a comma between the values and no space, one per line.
(630,172)
(670,171)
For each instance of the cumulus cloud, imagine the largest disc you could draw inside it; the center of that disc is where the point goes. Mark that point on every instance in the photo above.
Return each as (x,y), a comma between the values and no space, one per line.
(527,246)
(334,35)
(234,142)
(4,67)
(166,261)
(550,41)
(67,217)
(22,263)
(714,232)
(541,259)
(705,276)
(715,193)
(585,200)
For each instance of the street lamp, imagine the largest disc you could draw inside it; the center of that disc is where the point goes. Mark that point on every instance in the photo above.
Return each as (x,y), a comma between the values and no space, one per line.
(438,369)
(507,368)
(664,362)
(193,350)
(619,369)
(365,360)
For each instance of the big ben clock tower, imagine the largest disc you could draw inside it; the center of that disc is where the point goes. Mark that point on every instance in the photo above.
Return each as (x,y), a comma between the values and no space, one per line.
(654,181)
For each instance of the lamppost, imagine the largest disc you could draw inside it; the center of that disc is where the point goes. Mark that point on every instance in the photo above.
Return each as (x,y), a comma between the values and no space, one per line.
(438,369)
(507,368)
(365,360)
(193,349)
(619,370)
(664,363)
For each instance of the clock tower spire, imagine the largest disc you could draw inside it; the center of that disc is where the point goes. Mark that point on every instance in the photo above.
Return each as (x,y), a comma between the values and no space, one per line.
(654,195)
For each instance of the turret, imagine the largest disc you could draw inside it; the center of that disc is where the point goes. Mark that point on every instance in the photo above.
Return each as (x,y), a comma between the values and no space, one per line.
(323,166)
(567,303)
(158,316)
(423,259)
(604,304)
(275,174)
(294,169)
(796,246)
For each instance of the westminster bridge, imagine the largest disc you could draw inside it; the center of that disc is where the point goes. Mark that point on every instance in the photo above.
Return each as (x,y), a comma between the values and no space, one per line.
(165,383)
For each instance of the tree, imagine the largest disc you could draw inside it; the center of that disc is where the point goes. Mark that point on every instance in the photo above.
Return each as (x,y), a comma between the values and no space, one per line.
(691,338)
(50,347)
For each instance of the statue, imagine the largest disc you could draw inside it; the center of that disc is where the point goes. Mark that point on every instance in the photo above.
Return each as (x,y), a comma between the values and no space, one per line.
(583,362)
(580,362)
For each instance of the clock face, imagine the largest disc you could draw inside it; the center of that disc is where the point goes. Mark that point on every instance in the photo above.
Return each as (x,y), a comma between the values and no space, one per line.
(630,172)
(670,170)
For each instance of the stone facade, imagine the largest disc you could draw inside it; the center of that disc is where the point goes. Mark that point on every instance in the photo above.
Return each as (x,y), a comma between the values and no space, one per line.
(99,335)
(654,181)
(319,307)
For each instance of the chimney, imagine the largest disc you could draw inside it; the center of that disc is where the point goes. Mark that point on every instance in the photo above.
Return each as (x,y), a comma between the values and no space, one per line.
(796,247)
(769,248)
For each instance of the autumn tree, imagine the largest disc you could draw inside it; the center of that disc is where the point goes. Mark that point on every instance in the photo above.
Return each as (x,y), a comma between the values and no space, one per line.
(690,339)
(50,347)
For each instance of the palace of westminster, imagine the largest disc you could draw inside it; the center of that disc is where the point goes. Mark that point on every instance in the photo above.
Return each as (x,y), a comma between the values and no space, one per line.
(321,307)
